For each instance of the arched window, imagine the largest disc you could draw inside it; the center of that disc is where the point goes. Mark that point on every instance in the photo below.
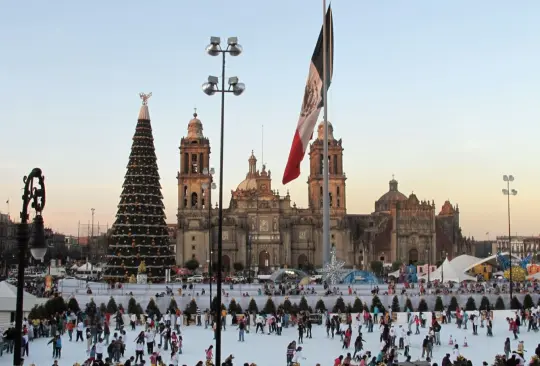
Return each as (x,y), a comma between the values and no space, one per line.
(194,200)
(336,170)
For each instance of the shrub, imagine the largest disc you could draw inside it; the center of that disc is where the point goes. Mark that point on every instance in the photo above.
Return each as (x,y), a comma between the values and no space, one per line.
(191,308)
(37,312)
(287,305)
(172,305)
(294,309)
(152,308)
(303,306)
(528,302)
(320,306)
(348,308)
(55,305)
(439,306)
(102,308)
(252,307)
(233,306)
(357,307)
(515,304)
(91,312)
(339,306)
(484,303)
(453,304)
(422,306)
(73,305)
(377,302)
(499,304)
(395,304)
(121,308)
(408,305)
(132,307)
(471,304)
(269,307)
(112,308)
(139,309)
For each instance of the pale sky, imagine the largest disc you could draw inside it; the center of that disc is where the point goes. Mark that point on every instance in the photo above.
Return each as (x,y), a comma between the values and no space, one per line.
(442,94)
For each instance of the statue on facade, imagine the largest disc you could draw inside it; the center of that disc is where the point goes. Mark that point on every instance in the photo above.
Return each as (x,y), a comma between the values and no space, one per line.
(142,267)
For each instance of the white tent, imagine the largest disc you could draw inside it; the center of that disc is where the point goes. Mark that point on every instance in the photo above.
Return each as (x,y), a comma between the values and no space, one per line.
(87,267)
(8,299)
(74,267)
(447,273)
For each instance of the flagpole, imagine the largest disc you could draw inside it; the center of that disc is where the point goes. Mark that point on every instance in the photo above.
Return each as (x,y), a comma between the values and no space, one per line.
(326,195)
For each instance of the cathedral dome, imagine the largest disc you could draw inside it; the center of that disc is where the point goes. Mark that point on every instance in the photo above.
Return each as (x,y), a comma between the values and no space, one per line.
(320,131)
(251,177)
(392,196)
(195,128)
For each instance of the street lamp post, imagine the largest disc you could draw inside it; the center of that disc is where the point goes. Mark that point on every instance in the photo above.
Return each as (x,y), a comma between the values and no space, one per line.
(207,189)
(34,196)
(211,88)
(428,253)
(509,192)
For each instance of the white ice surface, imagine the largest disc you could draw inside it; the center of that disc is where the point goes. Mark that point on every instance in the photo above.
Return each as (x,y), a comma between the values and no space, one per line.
(269,350)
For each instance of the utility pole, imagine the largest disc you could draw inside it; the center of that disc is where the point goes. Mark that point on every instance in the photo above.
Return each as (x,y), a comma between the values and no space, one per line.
(92,233)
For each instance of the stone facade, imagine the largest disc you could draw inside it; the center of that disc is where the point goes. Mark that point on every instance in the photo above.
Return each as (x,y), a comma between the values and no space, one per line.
(264,230)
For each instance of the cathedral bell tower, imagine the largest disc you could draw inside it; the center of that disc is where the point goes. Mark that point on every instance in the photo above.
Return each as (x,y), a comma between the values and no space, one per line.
(194,166)
(336,176)
(194,195)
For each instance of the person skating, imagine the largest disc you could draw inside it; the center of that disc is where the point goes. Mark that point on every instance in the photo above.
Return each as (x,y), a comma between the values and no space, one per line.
(290,352)
(300,333)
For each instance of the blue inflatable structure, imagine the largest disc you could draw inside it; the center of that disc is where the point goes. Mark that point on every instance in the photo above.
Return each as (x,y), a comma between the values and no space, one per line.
(361,277)
(408,274)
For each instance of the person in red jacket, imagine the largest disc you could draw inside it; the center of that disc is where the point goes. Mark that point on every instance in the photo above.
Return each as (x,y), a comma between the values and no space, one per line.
(337,361)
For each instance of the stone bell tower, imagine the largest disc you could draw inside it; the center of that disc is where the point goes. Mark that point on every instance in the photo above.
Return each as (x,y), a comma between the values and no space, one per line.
(336,176)
(194,195)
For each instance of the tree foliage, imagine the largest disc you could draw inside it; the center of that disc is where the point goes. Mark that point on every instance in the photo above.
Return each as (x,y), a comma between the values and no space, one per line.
(233,306)
(320,306)
(172,305)
(269,307)
(152,308)
(376,302)
(395,304)
(112,308)
(303,306)
(357,307)
(515,304)
(287,306)
(339,306)
(73,305)
(484,303)
(132,307)
(422,306)
(192,264)
(439,306)
(408,305)
(499,304)
(191,307)
(377,267)
(252,306)
(471,304)
(528,302)
(453,304)
(238,266)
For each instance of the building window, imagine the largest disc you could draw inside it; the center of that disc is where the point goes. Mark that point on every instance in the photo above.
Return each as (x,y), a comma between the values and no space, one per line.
(194,165)
(193,247)
(321,162)
(337,191)
(186,163)
(193,239)
(193,256)
(330,198)
(335,165)
(338,203)
(194,200)
(201,162)
(332,236)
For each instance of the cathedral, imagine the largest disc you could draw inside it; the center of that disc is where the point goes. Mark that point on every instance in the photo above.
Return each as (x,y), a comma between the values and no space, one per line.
(263,231)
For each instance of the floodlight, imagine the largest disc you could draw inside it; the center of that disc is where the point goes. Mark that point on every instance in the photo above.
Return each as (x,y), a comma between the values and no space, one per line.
(212,171)
(214,49)
(513,192)
(505,191)
(205,171)
(234,48)
(238,89)
(210,87)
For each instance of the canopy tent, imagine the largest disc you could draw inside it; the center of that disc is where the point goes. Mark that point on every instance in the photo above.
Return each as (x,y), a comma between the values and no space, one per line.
(74,267)
(447,272)
(8,298)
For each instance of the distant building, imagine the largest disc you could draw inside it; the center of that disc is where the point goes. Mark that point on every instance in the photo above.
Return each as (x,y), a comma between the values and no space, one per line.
(521,245)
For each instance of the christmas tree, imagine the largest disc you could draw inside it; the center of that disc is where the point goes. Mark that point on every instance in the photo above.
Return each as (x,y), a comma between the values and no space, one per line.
(140,238)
